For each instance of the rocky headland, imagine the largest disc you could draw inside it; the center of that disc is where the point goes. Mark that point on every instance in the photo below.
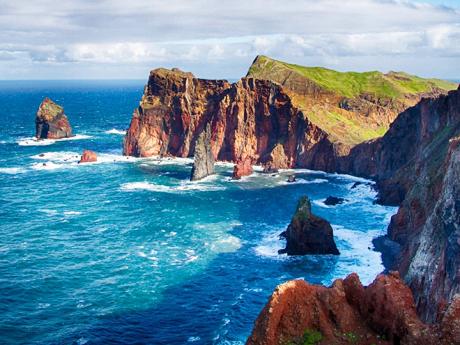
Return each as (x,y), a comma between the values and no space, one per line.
(349,313)
(308,233)
(51,122)
(305,118)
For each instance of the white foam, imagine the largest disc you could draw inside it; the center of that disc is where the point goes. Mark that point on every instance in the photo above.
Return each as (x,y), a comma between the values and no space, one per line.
(12,171)
(184,186)
(302,181)
(270,245)
(47,166)
(32,141)
(72,213)
(115,131)
(58,157)
(228,244)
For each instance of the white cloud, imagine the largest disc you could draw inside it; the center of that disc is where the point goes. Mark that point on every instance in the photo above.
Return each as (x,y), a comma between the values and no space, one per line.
(141,34)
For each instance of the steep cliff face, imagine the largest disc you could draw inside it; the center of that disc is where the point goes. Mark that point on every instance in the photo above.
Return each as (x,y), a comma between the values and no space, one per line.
(349,313)
(51,122)
(203,164)
(351,107)
(415,165)
(252,119)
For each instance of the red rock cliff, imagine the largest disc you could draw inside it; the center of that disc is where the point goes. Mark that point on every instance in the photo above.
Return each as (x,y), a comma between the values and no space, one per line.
(252,119)
(349,313)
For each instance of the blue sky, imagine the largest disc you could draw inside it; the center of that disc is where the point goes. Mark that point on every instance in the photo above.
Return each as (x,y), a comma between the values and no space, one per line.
(113,39)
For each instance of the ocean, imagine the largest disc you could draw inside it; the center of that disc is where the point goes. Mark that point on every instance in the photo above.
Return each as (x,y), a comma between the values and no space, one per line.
(128,251)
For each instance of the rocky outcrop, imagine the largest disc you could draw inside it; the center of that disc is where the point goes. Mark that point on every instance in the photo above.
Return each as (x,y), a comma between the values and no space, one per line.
(349,313)
(308,233)
(203,164)
(333,200)
(243,167)
(51,122)
(251,119)
(88,156)
(414,166)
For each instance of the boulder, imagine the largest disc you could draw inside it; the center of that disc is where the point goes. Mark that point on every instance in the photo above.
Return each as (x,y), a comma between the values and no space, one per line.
(333,200)
(243,167)
(51,122)
(203,164)
(308,233)
(88,156)
(291,178)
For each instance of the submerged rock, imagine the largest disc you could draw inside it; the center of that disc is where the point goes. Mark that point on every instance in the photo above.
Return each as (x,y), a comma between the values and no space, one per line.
(51,122)
(333,200)
(291,178)
(203,164)
(308,234)
(243,167)
(88,156)
(349,313)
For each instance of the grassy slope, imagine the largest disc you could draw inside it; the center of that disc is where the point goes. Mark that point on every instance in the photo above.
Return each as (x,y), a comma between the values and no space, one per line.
(343,128)
(352,84)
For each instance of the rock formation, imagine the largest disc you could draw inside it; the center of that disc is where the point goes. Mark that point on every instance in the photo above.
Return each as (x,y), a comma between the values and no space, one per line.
(333,200)
(51,122)
(414,165)
(251,119)
(243,167)
(307,233)
(349,313)
(203,164)
(88,156)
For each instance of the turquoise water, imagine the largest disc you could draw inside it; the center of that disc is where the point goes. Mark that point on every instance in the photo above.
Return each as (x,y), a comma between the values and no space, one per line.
(128,251)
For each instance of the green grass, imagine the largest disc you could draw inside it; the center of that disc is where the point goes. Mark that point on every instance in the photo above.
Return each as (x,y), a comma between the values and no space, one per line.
(310,337)
(353,84)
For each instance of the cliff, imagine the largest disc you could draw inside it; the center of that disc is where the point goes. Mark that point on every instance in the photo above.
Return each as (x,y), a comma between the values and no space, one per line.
(51,122)
(251,119)
(349,313)
(351,107)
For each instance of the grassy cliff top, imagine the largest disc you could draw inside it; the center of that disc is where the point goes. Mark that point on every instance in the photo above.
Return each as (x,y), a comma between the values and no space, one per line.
(351,84)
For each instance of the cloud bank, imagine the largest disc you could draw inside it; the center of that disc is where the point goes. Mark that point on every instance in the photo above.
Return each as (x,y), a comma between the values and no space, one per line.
(49,39)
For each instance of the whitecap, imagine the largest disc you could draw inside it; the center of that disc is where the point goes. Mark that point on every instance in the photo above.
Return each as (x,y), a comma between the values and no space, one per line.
(32,141)
(72,213)
(48,211)
(183,187)
(116,131)
(270,245)
(12,171)
(46,166)
(59,156)
(193,339)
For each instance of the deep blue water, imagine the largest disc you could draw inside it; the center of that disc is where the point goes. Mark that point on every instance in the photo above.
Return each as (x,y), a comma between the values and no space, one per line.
(128,251)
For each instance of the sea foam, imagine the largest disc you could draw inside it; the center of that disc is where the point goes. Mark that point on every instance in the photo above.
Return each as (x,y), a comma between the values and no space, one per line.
(32,141)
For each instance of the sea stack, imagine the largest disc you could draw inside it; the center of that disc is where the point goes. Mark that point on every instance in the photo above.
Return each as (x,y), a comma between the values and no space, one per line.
(243,167)
(51,122)
(203,164)
(88,156)
(308,233)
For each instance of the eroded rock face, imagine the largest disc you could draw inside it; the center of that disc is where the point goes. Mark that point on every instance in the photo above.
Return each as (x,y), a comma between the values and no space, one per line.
(251,119)
(347,312)
(51,122)
(243,167)
(308,234)
(203,164)
(88,156)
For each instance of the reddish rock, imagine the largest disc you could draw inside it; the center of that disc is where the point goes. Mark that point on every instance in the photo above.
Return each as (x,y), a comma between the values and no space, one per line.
(88,156)
(252,119)
(308,233)
(349,313)
(243,167)
(51,122)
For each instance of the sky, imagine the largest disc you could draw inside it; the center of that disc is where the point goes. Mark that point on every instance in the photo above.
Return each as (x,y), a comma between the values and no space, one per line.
(119,39)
